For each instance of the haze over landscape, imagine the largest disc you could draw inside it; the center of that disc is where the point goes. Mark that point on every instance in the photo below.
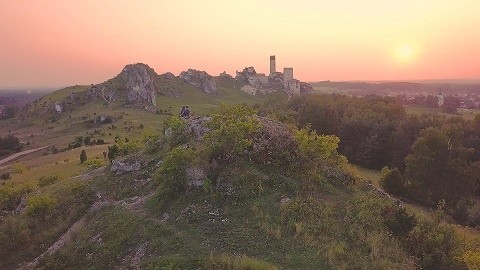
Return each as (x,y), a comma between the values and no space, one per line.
(56,43)
(239,135)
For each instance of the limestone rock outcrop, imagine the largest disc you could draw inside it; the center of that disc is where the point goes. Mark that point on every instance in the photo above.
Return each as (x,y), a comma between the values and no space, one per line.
(200,79)
(140,83)
(129,164)
(135,85)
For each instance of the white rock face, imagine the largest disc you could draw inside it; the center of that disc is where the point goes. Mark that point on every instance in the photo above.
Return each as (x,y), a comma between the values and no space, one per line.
(140,84)
(123,166)
(200,79)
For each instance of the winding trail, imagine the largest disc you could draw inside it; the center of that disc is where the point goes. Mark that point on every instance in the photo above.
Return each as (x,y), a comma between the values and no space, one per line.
(133,203)
(19,154)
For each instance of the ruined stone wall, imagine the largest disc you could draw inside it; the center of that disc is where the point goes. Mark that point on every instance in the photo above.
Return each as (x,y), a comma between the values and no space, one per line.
(288,74)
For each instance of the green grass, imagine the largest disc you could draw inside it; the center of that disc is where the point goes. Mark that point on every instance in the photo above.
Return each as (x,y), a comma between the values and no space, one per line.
(416,110)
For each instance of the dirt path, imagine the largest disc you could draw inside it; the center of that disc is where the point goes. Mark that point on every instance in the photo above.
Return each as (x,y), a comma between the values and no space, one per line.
(19,154)
(133,204)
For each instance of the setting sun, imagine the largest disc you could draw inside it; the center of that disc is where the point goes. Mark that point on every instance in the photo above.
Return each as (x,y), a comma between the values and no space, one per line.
(405,53)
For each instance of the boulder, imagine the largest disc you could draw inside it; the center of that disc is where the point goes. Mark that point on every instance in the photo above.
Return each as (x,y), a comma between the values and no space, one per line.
(195,177)
(198,126)
(200,79)
(130,164)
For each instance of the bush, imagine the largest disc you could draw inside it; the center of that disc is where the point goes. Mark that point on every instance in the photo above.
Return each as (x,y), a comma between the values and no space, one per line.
(232,132)
(112,152)
(19,168)
(434,246)
(392,181)
(47,180)
(94,163)
(172,174)
(100,141)
(316,152)
(398,221)
(176,131)
(5,176)
(83,156)
(150,137)
(40,206)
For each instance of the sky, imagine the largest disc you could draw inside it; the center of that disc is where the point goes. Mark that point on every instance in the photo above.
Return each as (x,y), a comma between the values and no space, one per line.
(50,43)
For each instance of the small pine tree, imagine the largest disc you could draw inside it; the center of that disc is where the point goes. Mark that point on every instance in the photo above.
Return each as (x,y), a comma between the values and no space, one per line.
(83,156)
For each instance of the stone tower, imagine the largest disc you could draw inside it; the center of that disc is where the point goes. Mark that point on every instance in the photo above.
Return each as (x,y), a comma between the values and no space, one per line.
(288,74)
(272,64)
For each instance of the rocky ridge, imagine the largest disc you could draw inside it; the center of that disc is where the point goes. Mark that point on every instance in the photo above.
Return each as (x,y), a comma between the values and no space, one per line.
(200,79)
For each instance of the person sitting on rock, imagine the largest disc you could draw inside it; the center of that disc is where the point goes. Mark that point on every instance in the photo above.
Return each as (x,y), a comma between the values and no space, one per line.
(182,111)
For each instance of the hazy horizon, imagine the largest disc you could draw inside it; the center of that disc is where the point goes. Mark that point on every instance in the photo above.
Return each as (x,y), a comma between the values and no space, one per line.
(54,44)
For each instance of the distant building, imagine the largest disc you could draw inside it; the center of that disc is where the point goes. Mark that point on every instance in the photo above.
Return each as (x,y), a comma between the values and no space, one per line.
(273,67)
(441,98)
(273,82)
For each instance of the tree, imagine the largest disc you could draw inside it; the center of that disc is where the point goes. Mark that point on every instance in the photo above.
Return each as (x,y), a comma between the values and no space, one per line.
(87,140)
(8,112)
(83,156)
(112,152)
(398,221)
(393,182)
(438,167)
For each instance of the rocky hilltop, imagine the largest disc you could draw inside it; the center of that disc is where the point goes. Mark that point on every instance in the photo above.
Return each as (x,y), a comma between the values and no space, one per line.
(200,79)
(139,85)
(135,84)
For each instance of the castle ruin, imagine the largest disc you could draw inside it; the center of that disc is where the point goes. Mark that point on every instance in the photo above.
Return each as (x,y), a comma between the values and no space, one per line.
(258,82)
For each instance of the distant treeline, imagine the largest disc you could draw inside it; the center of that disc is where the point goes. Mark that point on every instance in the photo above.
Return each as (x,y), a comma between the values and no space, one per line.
(384,87)
(376,132)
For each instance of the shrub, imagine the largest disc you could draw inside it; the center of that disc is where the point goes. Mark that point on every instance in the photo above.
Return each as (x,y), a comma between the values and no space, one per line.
(5,176)
(461,211)
(435,246)
(19,168)
(47,180)
(40,206)
(87,140)
(392,181)
(100,141)
(172,174)
(127,146)
(232,132)
(273,144)
(83,156)
(398,221)
(176,131)
(316,152)
(150,137)
(112,152)
(94,163)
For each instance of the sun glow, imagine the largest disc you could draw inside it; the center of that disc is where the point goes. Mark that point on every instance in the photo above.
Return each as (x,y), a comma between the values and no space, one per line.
(405,53)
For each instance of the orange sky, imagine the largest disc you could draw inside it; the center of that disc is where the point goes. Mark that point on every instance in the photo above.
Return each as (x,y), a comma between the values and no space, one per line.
(45,43)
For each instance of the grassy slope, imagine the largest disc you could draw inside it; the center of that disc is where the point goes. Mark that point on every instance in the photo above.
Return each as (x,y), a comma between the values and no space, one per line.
(250,223)
(39,130)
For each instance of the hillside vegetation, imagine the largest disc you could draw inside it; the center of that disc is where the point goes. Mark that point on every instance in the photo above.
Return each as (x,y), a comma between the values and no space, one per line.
(247,186)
